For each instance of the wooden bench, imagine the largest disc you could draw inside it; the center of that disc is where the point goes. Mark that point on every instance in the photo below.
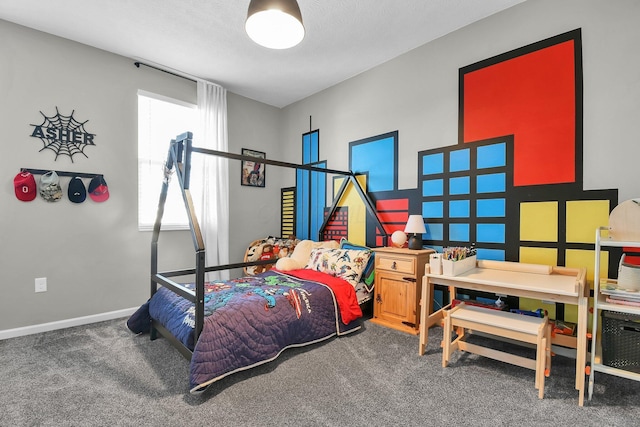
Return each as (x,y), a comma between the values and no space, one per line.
(516,327)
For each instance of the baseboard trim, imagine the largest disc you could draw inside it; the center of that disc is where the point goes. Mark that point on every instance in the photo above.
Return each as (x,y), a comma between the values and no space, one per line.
(67,323)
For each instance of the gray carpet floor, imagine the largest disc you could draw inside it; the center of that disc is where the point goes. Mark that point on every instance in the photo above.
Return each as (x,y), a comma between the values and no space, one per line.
(102,375)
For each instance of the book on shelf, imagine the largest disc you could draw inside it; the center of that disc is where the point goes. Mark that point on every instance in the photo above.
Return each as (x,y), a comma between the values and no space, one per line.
(623,302)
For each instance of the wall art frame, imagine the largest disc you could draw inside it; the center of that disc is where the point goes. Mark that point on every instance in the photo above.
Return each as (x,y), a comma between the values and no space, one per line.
(253,173)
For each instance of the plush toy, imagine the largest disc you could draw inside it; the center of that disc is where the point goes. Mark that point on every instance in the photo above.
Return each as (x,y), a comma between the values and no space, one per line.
(270,248)
(267,253)
(301,254)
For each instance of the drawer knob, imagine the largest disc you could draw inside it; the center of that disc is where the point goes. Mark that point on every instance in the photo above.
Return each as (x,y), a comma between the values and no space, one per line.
(394,266)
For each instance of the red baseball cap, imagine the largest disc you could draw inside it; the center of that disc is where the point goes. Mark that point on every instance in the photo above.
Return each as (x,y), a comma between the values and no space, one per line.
(98,190)
(25,186)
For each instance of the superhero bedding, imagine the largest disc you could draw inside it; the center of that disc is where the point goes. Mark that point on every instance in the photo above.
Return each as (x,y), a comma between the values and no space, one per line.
(251,320)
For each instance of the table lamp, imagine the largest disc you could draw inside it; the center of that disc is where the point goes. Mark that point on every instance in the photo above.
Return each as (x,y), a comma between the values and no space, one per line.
(415,228)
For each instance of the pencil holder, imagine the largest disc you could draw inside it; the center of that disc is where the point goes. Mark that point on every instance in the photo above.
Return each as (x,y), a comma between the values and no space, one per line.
(454,268)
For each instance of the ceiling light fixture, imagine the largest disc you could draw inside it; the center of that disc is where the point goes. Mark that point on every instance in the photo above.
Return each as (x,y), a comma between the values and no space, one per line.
(276,24)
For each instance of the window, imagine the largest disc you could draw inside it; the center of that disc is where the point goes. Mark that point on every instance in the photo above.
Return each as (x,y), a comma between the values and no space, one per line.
(160,120)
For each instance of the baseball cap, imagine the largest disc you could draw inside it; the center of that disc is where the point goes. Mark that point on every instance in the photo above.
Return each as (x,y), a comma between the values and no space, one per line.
(25,185)
(98,190)
(76,191)
(49,188)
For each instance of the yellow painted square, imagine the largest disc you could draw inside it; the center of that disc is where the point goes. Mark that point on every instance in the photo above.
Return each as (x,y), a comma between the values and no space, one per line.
(579,258)
(546,256)
(539,221)
(571,313)
(584,217)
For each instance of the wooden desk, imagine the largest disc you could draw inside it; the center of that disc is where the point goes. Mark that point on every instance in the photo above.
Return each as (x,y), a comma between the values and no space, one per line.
(562,284)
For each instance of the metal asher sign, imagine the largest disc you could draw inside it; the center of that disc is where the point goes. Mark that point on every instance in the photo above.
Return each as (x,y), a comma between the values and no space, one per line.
(64,135)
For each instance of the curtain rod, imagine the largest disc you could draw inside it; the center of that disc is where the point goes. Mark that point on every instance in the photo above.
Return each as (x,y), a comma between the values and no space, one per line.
(138,64)
(173,72)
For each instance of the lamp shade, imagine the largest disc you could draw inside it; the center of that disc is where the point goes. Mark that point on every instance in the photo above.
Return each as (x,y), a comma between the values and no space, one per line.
(276,24)
(415,225)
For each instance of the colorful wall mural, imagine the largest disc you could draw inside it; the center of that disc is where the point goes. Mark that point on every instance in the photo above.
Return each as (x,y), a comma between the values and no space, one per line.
(311,189)
(512,186)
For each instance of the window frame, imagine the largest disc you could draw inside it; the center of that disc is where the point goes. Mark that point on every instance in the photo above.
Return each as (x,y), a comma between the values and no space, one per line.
(147,158)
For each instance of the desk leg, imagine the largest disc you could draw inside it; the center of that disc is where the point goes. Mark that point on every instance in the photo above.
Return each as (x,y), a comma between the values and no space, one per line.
(581,351)
(425,308)
(427,318)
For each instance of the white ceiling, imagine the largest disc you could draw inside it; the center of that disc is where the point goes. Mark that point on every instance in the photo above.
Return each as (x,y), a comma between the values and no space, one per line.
(206,38)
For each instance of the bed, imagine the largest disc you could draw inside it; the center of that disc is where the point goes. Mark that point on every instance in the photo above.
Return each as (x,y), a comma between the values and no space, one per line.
(253,319)
(224,327)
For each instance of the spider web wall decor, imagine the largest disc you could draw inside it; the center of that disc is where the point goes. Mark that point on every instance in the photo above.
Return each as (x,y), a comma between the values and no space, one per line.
(63,135)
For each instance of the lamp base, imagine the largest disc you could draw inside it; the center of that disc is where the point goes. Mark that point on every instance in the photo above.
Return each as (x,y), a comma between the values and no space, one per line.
(415,242)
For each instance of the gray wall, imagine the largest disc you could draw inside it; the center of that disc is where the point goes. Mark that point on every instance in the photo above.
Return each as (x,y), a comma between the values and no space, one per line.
(95,259)
(417,93)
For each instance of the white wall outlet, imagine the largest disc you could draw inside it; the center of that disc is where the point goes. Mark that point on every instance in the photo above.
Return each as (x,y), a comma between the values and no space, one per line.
(41,284)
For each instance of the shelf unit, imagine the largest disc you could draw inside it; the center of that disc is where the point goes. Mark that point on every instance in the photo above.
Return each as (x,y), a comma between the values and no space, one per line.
(623,232)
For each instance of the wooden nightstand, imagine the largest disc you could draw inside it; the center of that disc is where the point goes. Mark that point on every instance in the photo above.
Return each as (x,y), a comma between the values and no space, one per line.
(398,287)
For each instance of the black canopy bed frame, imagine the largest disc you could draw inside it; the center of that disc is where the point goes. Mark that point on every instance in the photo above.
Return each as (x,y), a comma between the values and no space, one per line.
(179,159)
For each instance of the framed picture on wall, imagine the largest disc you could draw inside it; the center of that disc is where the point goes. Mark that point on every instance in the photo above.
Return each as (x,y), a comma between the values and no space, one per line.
(253,173)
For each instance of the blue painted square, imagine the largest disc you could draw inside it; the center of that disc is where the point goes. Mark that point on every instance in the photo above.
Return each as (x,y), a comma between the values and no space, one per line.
(303,204)
(491,208)
(310,147)
(432,187)
(432,209)
(367,157)
(492,156)
(318,198)
(438,299)
(459,232)
(492,254)
(491,183)
(459,209)
(459,160)
(432,164)
(434,232)
(490,233)
(459,185)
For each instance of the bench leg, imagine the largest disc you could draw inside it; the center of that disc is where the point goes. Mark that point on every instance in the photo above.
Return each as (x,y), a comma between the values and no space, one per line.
(446,340)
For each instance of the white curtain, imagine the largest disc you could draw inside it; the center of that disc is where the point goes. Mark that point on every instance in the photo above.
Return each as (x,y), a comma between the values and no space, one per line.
(211,196)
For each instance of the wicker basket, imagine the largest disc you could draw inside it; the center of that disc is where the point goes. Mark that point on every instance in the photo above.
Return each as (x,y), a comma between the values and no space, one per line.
(621,340)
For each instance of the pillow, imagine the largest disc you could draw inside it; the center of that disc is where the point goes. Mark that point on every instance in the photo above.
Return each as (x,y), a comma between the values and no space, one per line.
(368,275)
(300,256)
(347,264)
(289,263)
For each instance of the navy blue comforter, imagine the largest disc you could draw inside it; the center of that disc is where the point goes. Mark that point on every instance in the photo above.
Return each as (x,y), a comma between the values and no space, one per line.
(248,321)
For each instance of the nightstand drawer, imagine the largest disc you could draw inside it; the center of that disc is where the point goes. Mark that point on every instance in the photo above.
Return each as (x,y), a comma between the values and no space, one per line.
(396,264)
